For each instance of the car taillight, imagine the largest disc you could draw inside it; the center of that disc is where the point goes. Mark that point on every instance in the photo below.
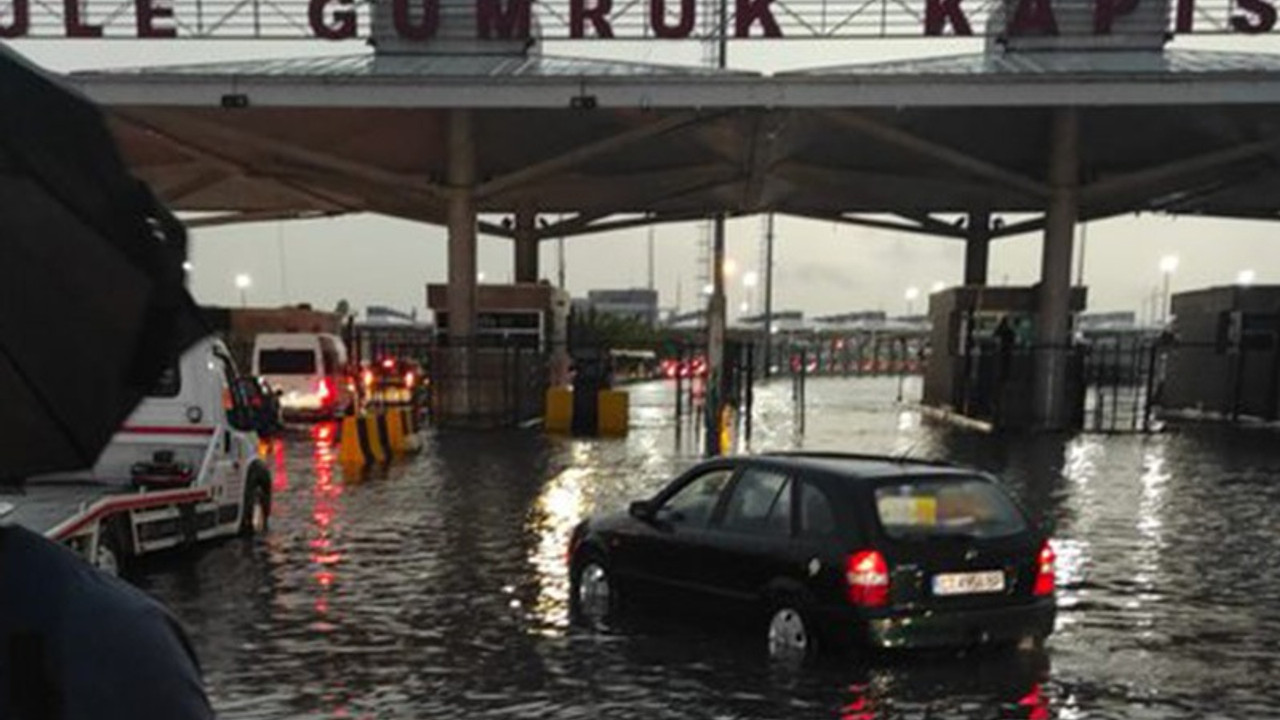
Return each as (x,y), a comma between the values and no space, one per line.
(1045,574)
(868,576)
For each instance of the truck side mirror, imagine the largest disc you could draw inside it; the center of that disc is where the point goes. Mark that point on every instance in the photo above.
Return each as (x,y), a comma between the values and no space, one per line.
(243,413)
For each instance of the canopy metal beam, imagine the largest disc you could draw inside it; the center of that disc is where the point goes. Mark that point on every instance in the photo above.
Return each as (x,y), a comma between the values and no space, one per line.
(224,136)
(962,161)
(237,218)
(577,156)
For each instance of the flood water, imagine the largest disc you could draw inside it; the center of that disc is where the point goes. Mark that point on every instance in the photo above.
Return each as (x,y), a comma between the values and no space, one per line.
(437,587)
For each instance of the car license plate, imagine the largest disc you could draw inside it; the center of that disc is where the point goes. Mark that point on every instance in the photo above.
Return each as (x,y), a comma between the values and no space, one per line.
(972,583)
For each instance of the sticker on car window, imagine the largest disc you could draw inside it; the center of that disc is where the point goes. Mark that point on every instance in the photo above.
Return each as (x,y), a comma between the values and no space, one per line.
(914,510)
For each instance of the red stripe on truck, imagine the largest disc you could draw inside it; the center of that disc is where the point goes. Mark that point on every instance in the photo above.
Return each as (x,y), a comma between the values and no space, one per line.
(123,503)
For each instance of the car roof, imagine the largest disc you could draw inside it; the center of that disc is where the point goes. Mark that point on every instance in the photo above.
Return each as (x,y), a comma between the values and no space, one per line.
(851,466)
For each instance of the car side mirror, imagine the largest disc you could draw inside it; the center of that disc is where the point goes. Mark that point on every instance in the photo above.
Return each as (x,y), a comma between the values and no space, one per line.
(641,510)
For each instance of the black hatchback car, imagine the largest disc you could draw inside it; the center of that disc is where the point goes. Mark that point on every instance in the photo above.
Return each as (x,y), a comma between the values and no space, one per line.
(827,548)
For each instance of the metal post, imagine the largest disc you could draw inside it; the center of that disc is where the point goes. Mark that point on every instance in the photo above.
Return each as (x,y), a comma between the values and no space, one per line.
(526,245)
(768,300)
(1084,240)
(977,247)
(1164,298)
(651,264)
(462,292)
(751,391)
(715,341)
(560,262)
(1053,319)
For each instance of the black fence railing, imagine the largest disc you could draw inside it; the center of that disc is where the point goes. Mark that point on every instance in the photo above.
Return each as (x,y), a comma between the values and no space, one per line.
(476,386)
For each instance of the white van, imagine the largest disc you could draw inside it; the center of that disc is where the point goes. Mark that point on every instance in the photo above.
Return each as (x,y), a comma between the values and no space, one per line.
(309,370)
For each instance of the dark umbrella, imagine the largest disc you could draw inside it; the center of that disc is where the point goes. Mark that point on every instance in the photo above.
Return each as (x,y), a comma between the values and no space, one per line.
(92,297)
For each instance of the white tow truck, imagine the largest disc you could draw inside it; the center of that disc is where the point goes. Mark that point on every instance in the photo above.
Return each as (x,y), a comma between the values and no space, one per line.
(184,468)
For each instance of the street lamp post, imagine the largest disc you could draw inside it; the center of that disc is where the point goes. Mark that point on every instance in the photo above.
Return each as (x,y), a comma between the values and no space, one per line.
(911,295)
(1168,265)
(243,281)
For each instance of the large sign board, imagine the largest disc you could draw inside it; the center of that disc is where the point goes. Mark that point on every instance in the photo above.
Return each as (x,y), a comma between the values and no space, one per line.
(617,19)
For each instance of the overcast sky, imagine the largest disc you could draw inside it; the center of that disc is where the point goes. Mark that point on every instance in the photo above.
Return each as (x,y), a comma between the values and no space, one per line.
(820,267)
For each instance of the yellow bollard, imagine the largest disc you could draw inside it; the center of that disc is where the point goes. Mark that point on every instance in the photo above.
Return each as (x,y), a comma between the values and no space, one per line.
(613,410)
(375,427)
(350,451)
(726,429)
(559,412)
(396,431)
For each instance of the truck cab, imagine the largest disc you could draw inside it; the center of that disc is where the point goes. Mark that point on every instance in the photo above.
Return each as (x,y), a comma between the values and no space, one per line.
(184,468)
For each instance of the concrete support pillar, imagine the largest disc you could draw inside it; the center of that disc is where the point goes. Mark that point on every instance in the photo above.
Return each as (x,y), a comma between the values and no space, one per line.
(462,294)
(716,322)
(526,245)
(462,228)
(977,247)
(1053,319)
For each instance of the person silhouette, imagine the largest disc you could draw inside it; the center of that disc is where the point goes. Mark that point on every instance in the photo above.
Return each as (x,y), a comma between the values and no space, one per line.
(77,643)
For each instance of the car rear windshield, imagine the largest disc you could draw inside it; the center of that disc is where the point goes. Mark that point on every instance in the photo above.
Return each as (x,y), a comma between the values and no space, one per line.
(287,362)
(929,508)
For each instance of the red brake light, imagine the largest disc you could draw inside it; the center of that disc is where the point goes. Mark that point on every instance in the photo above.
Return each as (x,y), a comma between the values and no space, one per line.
(868,576)
(1046,575)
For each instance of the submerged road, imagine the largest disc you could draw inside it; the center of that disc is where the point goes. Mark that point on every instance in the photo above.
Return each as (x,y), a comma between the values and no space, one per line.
(437,588)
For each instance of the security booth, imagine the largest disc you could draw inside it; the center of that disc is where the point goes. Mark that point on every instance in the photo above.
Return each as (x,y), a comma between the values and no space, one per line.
(515,353)
(983,353)
(1225,356)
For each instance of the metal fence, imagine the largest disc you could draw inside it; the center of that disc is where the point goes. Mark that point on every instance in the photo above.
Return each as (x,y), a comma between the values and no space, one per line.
(477,386)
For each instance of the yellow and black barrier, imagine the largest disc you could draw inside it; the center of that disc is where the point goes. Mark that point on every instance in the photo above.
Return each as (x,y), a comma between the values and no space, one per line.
(376,437)
(612,410)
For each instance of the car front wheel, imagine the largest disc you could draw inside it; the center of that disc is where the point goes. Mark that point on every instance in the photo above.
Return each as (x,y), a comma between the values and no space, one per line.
(594,599)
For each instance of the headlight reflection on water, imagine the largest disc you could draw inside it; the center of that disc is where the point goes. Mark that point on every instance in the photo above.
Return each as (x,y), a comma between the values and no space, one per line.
(560,507)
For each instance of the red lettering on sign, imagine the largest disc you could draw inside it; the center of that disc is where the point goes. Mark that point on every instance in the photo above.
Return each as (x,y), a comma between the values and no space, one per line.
(1186,16)
(1105,13)
(658,19)
(342,26)
(424,28)
(506,23)
(938,13)
(751,11)
(75,27)
(1259,16)
(1034,17)
(579,13)
(21,23)
(147,14)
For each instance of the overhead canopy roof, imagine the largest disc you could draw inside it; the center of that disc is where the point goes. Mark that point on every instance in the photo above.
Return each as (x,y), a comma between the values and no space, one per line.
(1184,132)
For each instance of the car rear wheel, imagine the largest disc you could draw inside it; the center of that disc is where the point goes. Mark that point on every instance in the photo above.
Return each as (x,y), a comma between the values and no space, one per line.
(594,599)
(790,637)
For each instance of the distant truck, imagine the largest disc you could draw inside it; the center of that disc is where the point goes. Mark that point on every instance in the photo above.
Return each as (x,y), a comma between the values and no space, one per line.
(183,469)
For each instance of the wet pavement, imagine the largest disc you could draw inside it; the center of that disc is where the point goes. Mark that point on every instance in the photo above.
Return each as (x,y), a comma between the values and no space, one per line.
(437,588)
